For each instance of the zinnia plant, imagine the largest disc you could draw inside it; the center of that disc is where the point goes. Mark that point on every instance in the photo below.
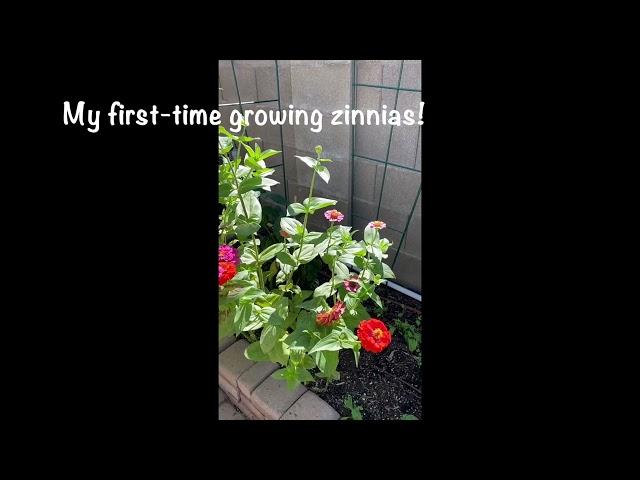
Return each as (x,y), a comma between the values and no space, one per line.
(300,329)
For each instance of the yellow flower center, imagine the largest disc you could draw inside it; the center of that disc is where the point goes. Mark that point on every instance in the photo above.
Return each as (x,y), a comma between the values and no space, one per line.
(377,333)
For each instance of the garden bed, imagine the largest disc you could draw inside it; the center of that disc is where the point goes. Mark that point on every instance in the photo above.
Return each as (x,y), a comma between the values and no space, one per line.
(387,385)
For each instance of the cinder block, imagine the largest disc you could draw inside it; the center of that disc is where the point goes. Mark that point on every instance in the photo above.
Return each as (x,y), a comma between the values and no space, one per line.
(225,342)
(408,269)
(399,193)
(413,240)
(266,82)
(273,397)
(369,72)
(310,407)
(326,85)
(412,74)
(249,409)
(391,72)
(364,185)
(226,411)
(254,376)
(405,137)
(233,363)
(230,389)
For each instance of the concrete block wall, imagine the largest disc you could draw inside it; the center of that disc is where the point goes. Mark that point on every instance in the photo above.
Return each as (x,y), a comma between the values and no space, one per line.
(326,85)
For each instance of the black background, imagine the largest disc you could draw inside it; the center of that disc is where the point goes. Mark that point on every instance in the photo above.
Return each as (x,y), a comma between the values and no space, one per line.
(125,232)
(129,225)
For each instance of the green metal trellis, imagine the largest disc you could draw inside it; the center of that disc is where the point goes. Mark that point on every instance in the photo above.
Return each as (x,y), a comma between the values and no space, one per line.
(354,154)
(240,103)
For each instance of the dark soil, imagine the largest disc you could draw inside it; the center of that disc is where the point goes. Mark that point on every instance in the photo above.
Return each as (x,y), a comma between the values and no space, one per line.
(386,385)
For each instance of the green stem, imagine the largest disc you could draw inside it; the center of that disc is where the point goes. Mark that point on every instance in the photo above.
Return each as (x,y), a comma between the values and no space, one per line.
(304,228)
(330,232)
(244,210)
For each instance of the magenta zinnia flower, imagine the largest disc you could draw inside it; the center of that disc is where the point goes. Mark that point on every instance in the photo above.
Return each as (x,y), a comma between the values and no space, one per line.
(351,284)
(333,215)
(227,253)
(377,224)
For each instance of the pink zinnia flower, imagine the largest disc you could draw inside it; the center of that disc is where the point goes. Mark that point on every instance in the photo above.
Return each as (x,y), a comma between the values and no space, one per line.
(377,224)
(351,285)
(333,215)
(227,253)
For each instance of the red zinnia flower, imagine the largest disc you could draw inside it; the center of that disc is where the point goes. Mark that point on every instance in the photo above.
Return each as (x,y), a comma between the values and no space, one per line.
(226,271)
(374,335)
(332,315)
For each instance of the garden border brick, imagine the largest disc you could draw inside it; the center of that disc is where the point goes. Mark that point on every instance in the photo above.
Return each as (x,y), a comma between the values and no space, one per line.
(250,388)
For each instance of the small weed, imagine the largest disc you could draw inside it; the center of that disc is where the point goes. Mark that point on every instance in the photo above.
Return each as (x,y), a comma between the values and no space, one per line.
(356,410)
(409,417)
(412,335)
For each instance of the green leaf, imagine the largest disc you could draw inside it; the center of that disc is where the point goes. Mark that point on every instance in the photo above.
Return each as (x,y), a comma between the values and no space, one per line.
(360,262)
(376,299)
(369,234)
(308,362)
(295,209)
(244,230)
(225,145)
(248,255)
(314,304)
(353,320)
(242,316)
(303,375)
(286,258)
(329,343)
(290,225)
(409,417)
(251,294)
(268,153)
(340,271)
(323,172)
(225,324)
(306,321)
(376,266)
(268,338)
(254,352)
(325,290)
(316,203)
(280,353)
(224,131)
(271,252)
(307,253)
(248,184)
(267,183)
(327,362)
(224,190)
(311,162)
(252,204)
(387,272)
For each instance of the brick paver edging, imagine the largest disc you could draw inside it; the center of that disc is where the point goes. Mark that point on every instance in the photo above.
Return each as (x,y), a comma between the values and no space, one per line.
(249,386)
